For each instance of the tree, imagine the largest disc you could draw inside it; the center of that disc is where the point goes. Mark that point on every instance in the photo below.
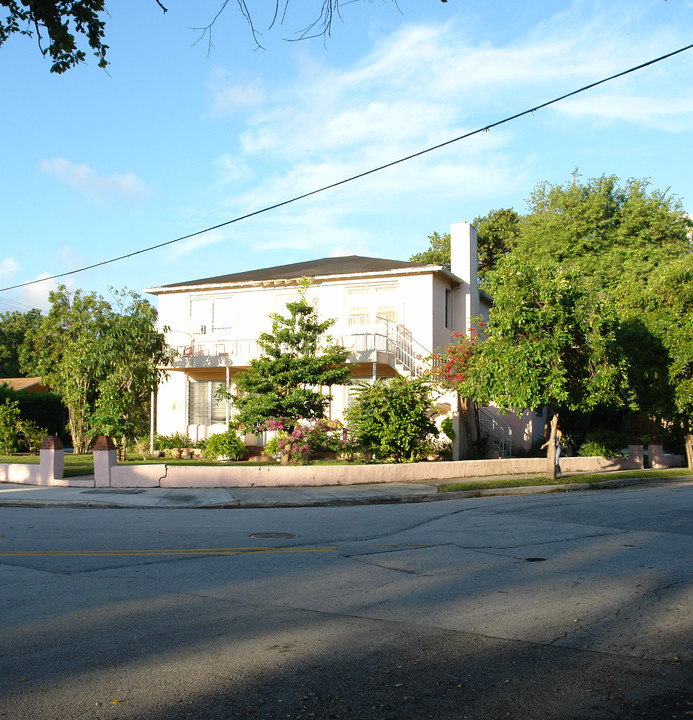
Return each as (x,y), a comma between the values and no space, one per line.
(620,237)
(58,20)
(103,362)
(392,419)
(658,339)
(496,233)
(68,24)
(13,328)
(550,340)
(64,351)
(615,235)
(285,382)
(131,353)
(438,252)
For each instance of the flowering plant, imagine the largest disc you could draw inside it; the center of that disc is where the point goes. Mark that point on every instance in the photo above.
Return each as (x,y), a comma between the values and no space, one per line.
(300,443)
(450,366)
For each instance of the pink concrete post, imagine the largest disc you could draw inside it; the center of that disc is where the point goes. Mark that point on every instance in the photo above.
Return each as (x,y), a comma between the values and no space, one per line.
(655,453)
(636,456)
(105,458)
(52,459)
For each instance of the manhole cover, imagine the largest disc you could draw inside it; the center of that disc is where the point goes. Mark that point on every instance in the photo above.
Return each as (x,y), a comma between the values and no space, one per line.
(112,491)
(274,535)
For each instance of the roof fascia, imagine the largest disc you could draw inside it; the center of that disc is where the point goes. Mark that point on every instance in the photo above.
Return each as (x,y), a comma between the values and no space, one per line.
(290,282)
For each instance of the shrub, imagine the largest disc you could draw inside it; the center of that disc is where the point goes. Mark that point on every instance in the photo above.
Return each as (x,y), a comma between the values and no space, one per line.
(168,442)
(43,408)
(603,443)
(305,440)
(226,444)
(392,420)
(9,427)
(32,434)
(446,427)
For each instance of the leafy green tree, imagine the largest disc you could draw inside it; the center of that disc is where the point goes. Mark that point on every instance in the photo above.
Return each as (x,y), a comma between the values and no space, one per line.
(102,361)
(58,21)
(550,340)
(614,234)
(64,351)
(392,419)
(285,381)
(13,329)
(658,339)
(131,353)
(620,237)
(496,233)
(438,252)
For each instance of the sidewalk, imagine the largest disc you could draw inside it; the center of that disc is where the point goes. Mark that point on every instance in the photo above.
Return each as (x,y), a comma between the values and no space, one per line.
(268,497)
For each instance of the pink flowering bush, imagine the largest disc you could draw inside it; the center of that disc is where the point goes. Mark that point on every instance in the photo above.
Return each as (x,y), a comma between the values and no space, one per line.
(300,444)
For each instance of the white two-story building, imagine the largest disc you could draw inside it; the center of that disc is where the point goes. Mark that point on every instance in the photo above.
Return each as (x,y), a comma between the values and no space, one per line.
(391,314)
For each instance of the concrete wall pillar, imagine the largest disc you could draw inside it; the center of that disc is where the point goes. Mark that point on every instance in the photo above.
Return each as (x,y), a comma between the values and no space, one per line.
(636,456)
(105,458)
(655,454)
(52,459)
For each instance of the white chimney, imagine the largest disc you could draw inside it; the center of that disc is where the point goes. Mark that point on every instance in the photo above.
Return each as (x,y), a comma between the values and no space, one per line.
(463,263)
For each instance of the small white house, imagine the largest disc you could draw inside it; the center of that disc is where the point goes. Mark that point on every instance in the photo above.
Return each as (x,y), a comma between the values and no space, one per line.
(391,314)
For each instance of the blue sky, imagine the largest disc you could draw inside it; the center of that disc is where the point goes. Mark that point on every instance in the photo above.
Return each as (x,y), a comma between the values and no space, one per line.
(176,137)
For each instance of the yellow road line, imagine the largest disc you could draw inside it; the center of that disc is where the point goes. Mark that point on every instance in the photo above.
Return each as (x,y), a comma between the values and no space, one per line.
(155,553)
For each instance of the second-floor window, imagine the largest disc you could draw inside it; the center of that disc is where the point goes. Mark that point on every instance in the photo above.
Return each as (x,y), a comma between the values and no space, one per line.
(369,303)
(211,315)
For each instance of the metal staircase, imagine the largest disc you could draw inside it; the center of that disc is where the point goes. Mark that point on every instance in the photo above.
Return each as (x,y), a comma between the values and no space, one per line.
(497,430)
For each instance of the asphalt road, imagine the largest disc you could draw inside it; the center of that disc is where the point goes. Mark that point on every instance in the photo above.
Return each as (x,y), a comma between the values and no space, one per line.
(575,605)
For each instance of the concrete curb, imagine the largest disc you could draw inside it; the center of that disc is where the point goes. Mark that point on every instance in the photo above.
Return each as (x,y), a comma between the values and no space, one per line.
(257,498)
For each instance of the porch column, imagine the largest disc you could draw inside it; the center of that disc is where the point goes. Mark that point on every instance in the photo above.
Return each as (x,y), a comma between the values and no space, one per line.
(227,399)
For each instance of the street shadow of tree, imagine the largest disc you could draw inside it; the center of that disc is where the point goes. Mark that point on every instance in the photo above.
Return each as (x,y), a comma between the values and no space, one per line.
(256,636)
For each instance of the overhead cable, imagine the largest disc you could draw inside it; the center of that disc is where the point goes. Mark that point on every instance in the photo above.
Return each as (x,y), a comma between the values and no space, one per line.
(283,203)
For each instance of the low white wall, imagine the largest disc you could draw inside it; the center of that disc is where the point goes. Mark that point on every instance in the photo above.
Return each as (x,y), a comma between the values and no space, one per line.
(21,473)
(178,476)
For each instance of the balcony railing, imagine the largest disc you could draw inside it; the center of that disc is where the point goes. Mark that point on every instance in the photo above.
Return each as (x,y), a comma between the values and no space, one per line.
(364,342)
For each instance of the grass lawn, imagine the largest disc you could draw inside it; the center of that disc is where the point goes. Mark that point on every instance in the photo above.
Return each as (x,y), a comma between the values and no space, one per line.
(538,480)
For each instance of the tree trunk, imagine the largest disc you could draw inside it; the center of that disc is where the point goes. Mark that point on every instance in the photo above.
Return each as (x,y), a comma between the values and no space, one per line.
(465,440)
(688,440)
(551,450)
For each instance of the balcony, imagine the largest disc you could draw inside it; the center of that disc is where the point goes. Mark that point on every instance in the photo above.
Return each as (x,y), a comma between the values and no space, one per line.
(385,342)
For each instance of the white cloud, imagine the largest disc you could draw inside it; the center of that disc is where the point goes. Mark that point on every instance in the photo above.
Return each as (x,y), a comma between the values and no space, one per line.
(230,168)
(229,95)
(663,113)
(194,244)
(8,267)
(427,84)
(36,294)
(428,79)
(101,189)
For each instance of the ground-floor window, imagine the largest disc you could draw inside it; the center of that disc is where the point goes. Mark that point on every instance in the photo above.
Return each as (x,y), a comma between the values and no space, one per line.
(204,407)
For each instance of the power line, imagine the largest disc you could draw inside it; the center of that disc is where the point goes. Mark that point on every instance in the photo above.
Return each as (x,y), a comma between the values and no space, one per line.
(12,305)
(324,188)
